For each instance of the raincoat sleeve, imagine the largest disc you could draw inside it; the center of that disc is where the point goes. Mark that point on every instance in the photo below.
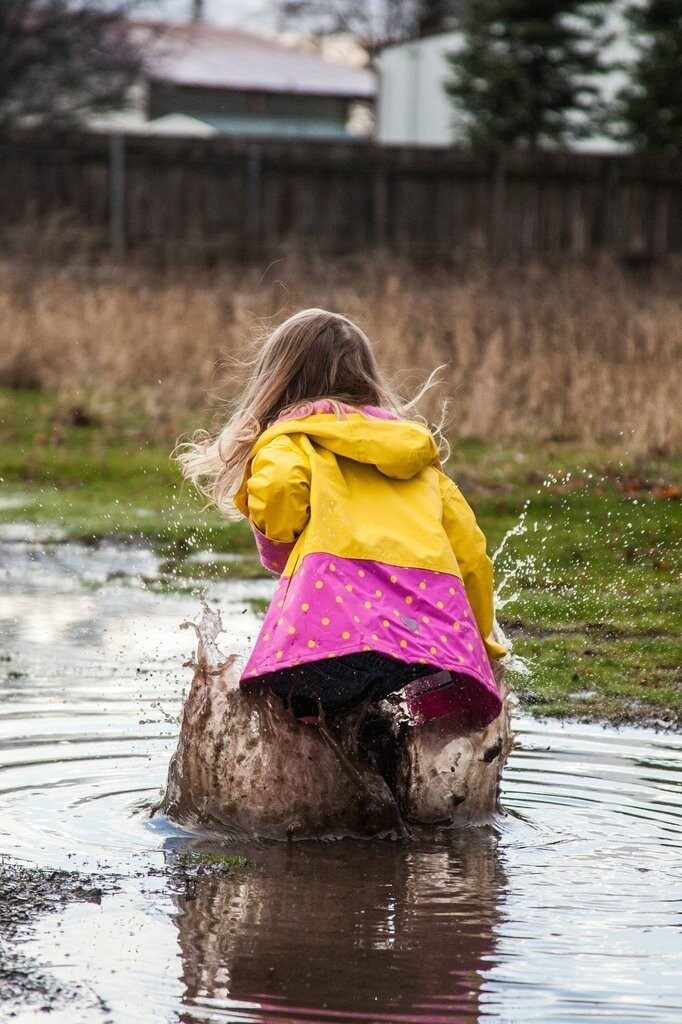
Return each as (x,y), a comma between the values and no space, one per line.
(278,499)
(469,545)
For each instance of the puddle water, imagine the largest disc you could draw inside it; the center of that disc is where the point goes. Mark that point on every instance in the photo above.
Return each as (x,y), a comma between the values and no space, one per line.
(566,910)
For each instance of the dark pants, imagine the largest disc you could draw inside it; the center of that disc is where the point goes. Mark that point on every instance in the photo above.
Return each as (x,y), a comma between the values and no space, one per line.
(343,682)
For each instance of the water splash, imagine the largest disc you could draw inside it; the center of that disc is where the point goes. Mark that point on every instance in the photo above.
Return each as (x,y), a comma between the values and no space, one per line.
(245,766)
(542,562)
(511,662)
(207,629)
(517,530)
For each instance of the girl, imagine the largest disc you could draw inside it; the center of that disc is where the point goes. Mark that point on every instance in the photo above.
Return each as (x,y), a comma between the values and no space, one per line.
(385,583)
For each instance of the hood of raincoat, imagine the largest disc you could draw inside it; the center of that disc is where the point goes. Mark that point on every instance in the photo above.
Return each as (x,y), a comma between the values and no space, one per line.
(397,448)
(365,490)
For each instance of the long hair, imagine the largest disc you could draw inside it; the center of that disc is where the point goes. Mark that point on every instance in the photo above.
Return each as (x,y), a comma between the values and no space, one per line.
(313,355)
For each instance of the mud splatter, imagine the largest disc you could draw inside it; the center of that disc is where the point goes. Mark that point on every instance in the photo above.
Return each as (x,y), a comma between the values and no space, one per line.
(245,766)
(27,893)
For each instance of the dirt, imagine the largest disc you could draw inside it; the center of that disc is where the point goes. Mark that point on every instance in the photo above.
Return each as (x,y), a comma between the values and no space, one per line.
(631,713)
(26,893)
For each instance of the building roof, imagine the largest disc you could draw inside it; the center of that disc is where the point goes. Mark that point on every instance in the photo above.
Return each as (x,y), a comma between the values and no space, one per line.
(133,122)
(197,54)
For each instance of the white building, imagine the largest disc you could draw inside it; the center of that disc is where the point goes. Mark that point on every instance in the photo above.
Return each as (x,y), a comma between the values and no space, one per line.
(413,108)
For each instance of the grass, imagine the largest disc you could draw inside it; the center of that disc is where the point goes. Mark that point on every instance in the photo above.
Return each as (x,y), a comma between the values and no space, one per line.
(97,479)
(215,863)
(537,352)
(591,587)
(590,582)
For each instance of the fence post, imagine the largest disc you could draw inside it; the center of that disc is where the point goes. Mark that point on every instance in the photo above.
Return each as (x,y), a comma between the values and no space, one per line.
(659,226)
(379,207)
(616,228)
(117,227)
(497,205)
(253,197)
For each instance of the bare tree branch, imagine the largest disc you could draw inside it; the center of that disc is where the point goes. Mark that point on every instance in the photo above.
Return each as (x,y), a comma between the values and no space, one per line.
(63,59)
(372,21)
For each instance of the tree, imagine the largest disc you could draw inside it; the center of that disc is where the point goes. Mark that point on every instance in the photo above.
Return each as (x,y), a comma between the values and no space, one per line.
(526,72)
(63,59)
(651,105)
(372,22)
(433,16)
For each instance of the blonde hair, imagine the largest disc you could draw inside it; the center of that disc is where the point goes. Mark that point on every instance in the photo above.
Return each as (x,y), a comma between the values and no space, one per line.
(313,355)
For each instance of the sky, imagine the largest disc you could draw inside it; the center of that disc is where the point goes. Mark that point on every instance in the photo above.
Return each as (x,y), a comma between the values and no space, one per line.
(248,14)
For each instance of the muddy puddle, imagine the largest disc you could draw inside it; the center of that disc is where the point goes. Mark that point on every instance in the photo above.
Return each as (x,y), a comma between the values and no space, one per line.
(566,910)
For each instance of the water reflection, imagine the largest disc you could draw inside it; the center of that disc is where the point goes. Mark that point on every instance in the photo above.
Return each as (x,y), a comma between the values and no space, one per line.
(374,931)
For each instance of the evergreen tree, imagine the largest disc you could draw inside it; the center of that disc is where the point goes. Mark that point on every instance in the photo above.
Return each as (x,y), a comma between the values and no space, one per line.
(651,106)
(433,16)
(526,72)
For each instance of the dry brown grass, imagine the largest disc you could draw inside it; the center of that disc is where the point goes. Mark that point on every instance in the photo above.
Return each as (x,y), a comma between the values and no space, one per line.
(570,352)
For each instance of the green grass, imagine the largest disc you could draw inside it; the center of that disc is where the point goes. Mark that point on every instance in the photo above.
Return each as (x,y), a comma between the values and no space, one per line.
(215,863)
(592,583)
(102,478)
(591,587)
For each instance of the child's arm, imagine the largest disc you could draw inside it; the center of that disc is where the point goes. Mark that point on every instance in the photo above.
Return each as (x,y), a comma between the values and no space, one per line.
(469,546)
(278,500)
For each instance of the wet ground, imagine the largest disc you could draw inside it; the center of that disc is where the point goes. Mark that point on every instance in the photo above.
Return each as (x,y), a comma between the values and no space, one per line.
(565,910)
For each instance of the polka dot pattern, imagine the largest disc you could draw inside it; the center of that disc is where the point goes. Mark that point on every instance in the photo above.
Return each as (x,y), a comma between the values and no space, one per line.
(334,607)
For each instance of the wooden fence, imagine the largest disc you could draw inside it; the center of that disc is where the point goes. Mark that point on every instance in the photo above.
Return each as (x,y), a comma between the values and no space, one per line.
(207,199)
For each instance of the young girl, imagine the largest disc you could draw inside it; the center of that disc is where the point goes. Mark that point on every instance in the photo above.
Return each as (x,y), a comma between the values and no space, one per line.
(385,583)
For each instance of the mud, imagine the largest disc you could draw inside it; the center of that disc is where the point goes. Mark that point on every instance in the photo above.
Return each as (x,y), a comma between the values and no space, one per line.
(26,894)
(244,766)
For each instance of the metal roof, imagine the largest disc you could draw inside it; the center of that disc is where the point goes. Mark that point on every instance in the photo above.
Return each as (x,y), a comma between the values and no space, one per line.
(203,55)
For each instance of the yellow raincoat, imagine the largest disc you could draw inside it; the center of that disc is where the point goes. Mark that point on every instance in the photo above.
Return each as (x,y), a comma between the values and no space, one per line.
(368,492)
